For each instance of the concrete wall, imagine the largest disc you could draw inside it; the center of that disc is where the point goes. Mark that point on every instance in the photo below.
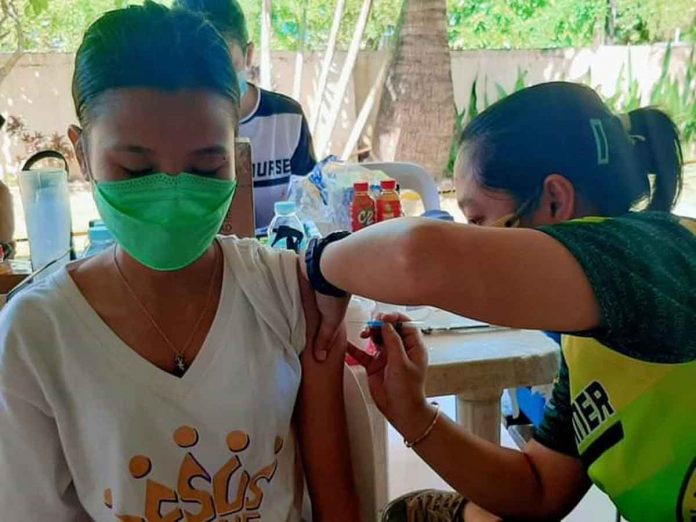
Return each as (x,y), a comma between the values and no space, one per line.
(38,89)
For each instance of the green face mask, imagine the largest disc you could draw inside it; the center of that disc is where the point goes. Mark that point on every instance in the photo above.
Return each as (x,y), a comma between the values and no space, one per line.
(164,222)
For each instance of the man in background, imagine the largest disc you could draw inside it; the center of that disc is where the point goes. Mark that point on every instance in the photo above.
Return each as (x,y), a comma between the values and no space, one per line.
(281,144)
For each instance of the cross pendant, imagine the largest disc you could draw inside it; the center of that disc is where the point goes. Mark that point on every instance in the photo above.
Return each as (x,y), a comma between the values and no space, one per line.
(180,369)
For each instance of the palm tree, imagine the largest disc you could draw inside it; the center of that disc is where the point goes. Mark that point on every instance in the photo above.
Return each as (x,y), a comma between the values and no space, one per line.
(416,113)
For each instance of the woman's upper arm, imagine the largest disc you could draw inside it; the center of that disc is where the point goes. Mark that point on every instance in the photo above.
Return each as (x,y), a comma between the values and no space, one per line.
(36,481)
(519,278)
(323,435)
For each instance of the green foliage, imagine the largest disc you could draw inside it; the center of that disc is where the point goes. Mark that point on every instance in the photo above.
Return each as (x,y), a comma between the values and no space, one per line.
(57,24)
(674,95)
(473,24)
(640,21)
(287,22)
(524,23)
(38,6)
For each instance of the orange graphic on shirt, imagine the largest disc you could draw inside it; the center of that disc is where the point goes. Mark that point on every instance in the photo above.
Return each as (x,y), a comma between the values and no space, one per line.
(232,494)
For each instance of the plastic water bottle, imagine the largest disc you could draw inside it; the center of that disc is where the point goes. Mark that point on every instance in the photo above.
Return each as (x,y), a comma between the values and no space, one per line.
(286,231)
(311,230)
(99,239)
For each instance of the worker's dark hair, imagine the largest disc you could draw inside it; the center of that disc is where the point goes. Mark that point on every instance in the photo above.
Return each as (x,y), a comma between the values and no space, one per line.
(226,15)
(565,128)
(151,46)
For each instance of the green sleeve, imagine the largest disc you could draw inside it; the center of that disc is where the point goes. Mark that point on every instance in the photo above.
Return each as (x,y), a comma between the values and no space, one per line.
(556,429)
(642,268)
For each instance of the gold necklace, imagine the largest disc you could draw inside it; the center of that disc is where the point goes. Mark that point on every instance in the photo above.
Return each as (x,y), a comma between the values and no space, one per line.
(179,355)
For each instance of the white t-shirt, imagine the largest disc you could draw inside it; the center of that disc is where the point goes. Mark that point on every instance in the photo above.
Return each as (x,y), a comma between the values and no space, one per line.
(89,429)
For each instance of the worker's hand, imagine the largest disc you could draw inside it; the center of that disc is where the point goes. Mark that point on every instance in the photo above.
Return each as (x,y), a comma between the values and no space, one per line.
(323,316)
(396,375)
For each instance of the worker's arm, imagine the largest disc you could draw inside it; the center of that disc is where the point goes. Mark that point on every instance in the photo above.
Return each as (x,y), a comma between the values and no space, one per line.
(519,278)
(536,484)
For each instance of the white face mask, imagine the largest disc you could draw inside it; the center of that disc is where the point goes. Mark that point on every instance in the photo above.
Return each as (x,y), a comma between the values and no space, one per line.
(243,83)
(513,219)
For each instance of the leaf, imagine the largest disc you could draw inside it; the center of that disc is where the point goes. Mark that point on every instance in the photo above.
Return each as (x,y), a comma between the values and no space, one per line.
(459,123)
(486,101)
(661,87)
(688,91)
(473,101)
(521,78)
(39,6)
(613,101)
(502,93)
(666,61)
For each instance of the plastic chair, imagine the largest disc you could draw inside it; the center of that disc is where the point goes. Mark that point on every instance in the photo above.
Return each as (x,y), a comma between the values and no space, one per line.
(362,447)
(412,177)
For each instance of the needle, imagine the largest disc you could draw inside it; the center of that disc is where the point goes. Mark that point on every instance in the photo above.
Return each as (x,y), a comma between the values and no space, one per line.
(379,324)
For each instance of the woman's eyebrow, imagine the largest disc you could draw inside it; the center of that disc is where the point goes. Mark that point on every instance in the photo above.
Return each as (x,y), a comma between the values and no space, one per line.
(205,151)
(134,149)
(209,151)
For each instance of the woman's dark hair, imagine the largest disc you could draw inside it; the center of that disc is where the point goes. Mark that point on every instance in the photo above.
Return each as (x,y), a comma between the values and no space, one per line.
(565,128)
(226,15)
(151,46)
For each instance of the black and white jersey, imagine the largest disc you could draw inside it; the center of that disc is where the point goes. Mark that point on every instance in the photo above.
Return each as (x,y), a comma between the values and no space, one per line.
(281,145)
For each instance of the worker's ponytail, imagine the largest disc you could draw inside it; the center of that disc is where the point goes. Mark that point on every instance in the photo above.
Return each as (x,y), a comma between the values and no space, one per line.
(658,152)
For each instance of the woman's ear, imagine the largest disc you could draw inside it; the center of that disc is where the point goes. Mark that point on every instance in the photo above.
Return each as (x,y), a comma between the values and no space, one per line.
(75,135)
(558,202)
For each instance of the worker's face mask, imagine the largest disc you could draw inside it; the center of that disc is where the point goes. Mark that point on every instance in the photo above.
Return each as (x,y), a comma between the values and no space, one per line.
(164,222)
(239,58)
(514,219)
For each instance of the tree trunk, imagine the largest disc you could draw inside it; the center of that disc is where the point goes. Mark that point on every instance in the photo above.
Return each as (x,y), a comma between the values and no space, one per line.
(10,14)
(9,64)
(416,113)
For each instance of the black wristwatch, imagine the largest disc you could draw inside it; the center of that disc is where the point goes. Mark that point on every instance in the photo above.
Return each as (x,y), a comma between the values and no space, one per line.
(313,261)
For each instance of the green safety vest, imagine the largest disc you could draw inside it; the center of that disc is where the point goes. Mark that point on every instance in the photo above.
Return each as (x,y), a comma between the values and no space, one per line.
(635,429)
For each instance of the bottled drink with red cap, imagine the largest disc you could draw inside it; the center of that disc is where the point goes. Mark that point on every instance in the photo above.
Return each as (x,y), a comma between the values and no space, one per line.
(362,208)
(388,203)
